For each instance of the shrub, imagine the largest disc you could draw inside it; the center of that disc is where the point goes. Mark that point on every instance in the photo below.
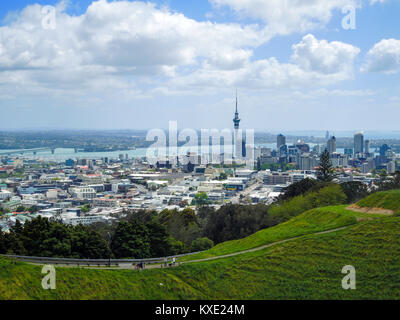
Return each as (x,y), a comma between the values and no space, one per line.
(201,244)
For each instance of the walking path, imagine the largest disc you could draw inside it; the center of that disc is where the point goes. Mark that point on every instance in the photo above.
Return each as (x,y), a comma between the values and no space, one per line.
(264,246)
(158,266)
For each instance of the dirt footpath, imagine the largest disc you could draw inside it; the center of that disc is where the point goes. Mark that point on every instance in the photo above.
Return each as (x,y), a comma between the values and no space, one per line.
(385,212)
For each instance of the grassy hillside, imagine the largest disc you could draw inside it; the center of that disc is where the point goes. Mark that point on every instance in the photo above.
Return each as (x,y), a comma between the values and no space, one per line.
(312,221)
(306,268)
(387,200)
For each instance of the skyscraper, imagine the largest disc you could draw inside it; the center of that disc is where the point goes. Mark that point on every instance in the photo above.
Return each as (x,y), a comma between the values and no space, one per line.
(383,149)
(327,136)
(367,146)
(332,145)
(358,143)
(280,141)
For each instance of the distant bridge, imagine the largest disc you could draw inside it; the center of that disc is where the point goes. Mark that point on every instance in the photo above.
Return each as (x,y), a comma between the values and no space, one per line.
(25,151)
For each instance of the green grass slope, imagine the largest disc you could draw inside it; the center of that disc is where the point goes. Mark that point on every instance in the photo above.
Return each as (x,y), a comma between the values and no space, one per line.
(387,200)
(306,268)
(315,220)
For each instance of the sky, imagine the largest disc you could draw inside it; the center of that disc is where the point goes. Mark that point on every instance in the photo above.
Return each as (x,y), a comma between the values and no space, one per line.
(296,65)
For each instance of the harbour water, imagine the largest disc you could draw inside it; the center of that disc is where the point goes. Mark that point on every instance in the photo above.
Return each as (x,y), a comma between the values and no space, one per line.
(62,154)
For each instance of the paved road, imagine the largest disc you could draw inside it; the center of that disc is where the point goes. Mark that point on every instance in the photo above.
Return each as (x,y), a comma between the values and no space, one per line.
(141,188)
(246,192)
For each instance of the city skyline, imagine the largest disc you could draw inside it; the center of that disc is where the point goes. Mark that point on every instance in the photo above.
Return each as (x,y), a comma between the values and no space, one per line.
(86,71)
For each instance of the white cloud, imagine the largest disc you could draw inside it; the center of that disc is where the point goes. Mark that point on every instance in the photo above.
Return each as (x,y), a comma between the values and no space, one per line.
(119,39)
(383,57)
(315,62)
(288,16)
(323,56)
(134,47)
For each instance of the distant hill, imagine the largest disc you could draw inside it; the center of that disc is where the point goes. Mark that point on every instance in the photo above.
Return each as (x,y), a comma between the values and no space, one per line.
(389,200)
(312,221)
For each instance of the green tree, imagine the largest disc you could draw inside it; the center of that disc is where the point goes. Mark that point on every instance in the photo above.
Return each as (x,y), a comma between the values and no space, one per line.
(298,188)
(20,209)
(131,240)
(85,208)
(325,171)
(232,222)
(354,191)
(201,244)
(201,199)
(181,225)
(222,176)
(159,240)
(176,247)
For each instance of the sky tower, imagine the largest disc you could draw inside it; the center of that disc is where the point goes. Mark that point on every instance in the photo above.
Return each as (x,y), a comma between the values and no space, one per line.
(236,120)
(237,136)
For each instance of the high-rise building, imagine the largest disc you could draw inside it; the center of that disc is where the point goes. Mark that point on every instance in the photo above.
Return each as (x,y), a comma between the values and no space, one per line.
(280,141)
(307,162)
(383,149)
(358,143)
(327,136)
(391,167)
(332,145)
(367,146)
(319,148)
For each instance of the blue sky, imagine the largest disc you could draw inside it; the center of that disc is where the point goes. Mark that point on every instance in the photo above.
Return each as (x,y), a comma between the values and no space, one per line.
(120,64)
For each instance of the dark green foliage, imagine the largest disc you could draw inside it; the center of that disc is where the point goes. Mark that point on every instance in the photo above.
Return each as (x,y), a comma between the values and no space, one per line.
(176,247)
(131,240)
(41,237)
(201,244)
(85,208)
(200,199)
(298,188)
(388,182)
(33,209)
(159,240)
(354,191)
(325,169)
(223,176)
(234,222)
(182,225)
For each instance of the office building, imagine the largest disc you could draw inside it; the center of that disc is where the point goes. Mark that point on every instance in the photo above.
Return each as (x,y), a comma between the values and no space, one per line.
(367,146)
(280,142)
(358,143)
(332,145)
(391,167)
(383,149)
